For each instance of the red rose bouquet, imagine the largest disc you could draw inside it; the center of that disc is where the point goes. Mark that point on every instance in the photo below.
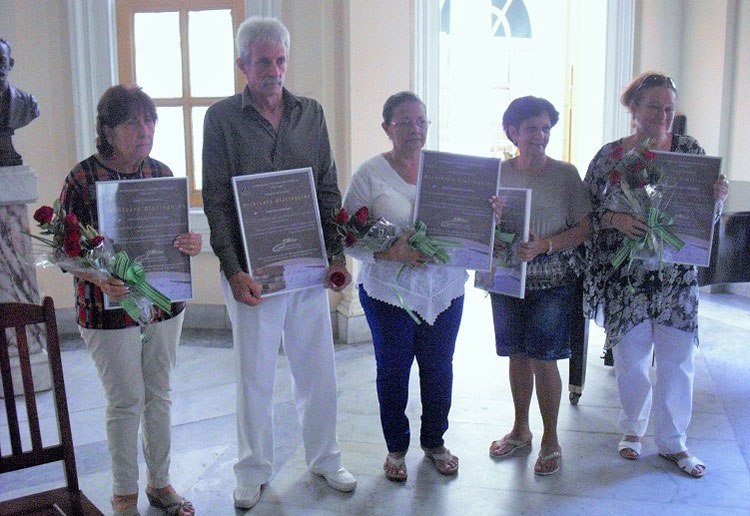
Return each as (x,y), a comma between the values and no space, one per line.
(77,248)
(379,235)
(633,187)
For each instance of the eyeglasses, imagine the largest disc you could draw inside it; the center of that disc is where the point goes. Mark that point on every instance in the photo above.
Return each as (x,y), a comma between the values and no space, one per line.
(421,123)
(654,80)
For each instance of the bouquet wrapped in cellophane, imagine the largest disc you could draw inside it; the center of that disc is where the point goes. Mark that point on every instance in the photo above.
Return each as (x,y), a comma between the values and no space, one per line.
(378,235)
(73,247)
(634,188)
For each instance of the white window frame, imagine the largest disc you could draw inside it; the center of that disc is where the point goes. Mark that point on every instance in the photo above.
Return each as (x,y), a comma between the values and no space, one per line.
(619,59)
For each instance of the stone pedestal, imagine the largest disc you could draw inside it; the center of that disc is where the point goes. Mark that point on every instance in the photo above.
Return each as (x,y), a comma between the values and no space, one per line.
(17,271)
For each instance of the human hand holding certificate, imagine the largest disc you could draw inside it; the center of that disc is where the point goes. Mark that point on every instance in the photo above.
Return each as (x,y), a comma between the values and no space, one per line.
(453,193)
(508,273)
(143,217)
(281,230)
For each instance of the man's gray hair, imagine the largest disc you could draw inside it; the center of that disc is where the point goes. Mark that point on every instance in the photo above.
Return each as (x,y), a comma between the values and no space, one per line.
(256,29)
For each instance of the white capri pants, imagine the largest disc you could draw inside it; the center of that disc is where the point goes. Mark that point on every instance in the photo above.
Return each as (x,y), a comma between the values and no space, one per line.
(135,375)
(673,391)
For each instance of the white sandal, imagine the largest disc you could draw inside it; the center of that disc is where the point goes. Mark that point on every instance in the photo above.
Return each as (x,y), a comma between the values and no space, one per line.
(635,446)
(687,464)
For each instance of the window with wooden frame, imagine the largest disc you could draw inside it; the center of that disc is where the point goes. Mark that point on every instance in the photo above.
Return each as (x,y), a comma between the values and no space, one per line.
(181,52)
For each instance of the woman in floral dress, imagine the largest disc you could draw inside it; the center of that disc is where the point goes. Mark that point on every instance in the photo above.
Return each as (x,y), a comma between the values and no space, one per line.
(647,307)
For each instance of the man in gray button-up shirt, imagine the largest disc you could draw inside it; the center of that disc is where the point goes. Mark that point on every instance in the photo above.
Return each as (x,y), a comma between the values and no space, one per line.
(262,129)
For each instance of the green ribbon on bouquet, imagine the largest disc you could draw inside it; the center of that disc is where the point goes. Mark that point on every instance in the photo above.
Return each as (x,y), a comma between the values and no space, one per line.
(506,238)
(430,246)
(658,222)
(134,276)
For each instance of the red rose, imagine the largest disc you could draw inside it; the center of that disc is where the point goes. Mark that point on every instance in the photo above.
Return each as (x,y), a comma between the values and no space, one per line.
(361,215)
(649,155)
(70,221)
(337,279)
(615,177)
(638,166)
(96,241)
(617,152)
(342,217)
(72,246)
(44,215)
(350,239)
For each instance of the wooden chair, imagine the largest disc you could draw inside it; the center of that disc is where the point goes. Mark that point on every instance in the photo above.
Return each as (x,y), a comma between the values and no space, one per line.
(64,500)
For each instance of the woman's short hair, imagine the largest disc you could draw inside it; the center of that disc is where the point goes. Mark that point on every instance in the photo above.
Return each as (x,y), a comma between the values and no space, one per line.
(119,104)
(256,29)
(524,108)
(395,101)
(633,93)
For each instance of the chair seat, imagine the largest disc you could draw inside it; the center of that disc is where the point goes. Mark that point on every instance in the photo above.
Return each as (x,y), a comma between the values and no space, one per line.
(54,502)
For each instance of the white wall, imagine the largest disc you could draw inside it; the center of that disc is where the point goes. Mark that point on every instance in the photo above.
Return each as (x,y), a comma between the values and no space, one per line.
(703,45)
(737,162)
(38,34)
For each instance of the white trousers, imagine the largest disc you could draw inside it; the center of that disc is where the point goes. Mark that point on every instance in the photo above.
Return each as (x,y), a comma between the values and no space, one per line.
(304,319)
(135,376)
(673,391)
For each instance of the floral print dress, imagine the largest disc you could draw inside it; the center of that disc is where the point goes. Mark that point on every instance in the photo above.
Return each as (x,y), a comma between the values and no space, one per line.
(669,298)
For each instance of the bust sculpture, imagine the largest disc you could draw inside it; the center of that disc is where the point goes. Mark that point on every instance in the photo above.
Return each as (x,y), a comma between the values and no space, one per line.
(17,109)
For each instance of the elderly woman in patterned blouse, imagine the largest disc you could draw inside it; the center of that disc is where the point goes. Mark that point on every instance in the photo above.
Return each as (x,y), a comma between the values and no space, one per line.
(659,312)
(134,363)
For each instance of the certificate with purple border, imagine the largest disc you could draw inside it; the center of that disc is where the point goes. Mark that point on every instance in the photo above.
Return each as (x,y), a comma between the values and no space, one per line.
(453,193)
(508,273)
(143,217)
(281,230)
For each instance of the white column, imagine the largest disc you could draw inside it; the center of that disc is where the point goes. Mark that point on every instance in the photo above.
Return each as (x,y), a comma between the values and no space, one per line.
(17,271)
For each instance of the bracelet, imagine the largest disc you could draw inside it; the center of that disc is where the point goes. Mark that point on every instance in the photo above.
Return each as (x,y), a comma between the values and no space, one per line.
(549,250)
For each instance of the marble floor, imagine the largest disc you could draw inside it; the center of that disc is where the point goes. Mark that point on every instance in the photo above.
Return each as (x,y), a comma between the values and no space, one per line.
(593,479)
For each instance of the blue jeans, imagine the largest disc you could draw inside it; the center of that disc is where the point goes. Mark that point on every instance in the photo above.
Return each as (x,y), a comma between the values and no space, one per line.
(397,340)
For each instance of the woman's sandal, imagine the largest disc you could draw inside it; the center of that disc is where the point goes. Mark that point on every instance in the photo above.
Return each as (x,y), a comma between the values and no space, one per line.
(548,464)
(691,466)
(172,503)
(130,510)
(395,468)
(506,446)
(444,462)
(630,450)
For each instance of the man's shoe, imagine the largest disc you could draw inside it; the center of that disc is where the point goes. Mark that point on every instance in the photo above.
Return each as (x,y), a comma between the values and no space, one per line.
(246,497)
(340,480)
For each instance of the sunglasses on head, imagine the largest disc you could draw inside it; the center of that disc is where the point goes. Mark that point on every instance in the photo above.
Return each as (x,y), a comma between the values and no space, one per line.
(654,80)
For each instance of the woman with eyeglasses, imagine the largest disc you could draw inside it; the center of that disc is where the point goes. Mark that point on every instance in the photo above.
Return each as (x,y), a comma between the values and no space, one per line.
(534,332)
(646,308)
(386,185)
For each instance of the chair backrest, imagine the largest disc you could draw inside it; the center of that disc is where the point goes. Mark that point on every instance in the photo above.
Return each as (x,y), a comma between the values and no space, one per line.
(17,317)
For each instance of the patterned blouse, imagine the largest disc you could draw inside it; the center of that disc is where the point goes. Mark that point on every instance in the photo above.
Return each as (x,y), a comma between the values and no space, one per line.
(670,300)
(79,196)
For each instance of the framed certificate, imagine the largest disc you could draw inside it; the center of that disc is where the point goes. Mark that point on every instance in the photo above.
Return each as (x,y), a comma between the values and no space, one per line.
(143,217)
(687,195)
(453,193)
(508,273)
(281,231)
